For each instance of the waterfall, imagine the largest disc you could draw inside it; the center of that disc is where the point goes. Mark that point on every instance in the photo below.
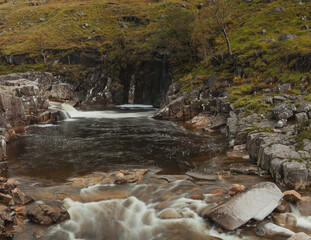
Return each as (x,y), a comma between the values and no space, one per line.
(65,110)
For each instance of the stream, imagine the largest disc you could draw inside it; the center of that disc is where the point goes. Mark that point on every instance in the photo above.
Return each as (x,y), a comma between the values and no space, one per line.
(67,162)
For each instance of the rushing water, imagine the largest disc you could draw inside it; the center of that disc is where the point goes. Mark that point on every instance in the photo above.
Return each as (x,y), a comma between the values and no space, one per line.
(67,162)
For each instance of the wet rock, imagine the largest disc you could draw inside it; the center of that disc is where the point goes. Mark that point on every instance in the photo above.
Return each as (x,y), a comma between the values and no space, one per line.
(283,111)
(283,207)
(202,176)
(235,189)
(6,218)
(292,196)
(300,236)
(46,215)
(218,191)
(169,214)
(243,169)
(270,229)
(20,198)
(290,220)
(130,176)
(279,218)
(5,198)
(255,203)
(304,206)
(238,154)
(295,175)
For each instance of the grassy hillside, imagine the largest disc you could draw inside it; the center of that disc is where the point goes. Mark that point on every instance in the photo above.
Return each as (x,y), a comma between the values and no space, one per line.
(135,29)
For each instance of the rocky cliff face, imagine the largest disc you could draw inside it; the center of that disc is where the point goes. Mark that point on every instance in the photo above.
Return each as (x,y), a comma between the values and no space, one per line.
(101,82)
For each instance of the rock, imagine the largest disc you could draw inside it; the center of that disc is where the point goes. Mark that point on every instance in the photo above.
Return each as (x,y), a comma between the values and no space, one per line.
(279,218)
(291,196)
(268,99)
(238,154)
(295,174)
(20,198)
(286,37)
(255,203)
(218,191)
(169,214)
(62,91)
(130,176)
(279,99)
(284,88)
(235,189)
(283,207)
(300,236)
(304,206)
(304,107)
(301,118)
(240,138)
(281,123)
(243,169)
(218,122)
(5,198)
(200,121)
(46,215)
(276,151)
(290,220)
(5,216)
(283,111)
(270,229)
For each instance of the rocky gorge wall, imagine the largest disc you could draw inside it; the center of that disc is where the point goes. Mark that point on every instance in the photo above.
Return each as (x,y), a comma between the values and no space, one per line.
(98,81)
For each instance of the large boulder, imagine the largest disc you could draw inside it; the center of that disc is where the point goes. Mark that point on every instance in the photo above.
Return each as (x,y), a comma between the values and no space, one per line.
(255,203)
(44,214)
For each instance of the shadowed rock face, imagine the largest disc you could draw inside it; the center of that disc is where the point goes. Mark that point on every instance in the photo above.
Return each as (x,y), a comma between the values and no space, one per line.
(255,203)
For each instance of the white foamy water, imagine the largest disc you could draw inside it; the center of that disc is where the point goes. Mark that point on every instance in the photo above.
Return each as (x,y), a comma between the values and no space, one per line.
(302,221)
(134,219)
(69,111)
(107,114)
(135,106)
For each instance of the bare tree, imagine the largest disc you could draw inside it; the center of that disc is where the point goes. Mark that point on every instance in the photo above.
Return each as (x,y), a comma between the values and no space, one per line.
(220,11)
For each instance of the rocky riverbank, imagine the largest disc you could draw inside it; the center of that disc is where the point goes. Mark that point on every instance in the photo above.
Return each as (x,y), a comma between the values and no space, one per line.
(277,141)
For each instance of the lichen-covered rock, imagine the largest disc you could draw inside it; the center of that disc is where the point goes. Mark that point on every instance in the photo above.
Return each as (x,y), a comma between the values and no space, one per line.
(283,111)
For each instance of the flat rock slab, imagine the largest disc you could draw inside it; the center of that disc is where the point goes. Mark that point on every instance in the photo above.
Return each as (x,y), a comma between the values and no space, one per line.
(255,203)
(202,176)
